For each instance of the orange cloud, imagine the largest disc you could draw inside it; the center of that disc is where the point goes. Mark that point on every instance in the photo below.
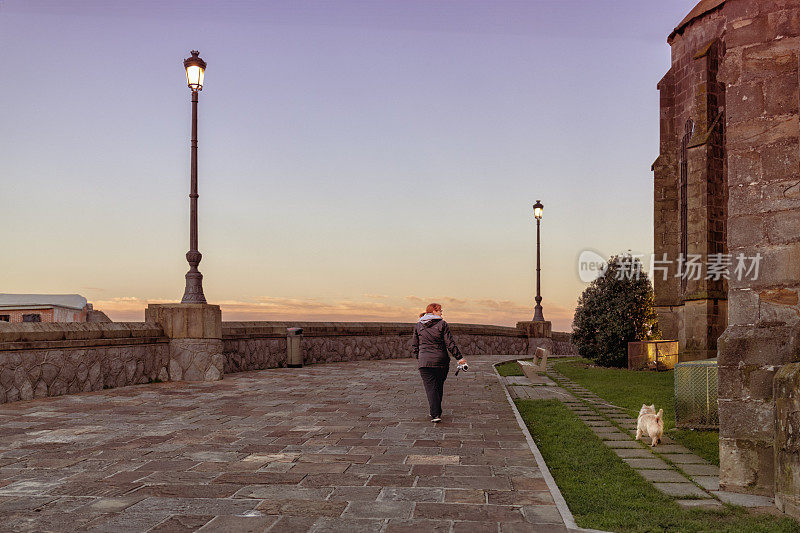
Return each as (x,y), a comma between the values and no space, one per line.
(406,309)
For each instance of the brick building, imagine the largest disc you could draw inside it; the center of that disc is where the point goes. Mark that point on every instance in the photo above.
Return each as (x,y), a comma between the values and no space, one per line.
(44,308)
(727,185)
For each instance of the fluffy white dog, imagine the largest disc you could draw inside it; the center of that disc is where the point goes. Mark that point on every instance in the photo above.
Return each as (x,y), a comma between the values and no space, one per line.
(650,423)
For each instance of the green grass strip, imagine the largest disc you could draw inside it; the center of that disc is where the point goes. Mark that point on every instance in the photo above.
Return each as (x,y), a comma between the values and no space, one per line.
(603,492)
(509,368)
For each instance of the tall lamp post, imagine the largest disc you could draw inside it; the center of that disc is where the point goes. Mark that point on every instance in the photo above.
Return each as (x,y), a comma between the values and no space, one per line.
(195,72)
(537,313)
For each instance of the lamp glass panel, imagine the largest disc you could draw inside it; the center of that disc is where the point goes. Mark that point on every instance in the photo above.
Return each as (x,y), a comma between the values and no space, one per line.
(537,212)
(194,76)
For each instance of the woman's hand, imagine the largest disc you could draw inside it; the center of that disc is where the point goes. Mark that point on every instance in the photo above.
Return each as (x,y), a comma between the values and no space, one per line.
(462,362)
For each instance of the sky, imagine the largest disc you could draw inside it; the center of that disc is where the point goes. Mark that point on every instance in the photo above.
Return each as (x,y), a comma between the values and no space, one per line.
(357,159)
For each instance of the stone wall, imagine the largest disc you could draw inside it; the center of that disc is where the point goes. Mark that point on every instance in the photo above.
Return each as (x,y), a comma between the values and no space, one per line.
(258,345)
(733,86)
(760,70)
(51,359)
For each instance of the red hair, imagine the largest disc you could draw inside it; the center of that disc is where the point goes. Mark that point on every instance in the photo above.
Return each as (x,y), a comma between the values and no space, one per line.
(434,308)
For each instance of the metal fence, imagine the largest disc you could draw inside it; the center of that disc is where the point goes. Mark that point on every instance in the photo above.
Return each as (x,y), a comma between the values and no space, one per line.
(652,355)
(696,395)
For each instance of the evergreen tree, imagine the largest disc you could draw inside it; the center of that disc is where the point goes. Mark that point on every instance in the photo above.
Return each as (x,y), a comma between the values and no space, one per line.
(615,309)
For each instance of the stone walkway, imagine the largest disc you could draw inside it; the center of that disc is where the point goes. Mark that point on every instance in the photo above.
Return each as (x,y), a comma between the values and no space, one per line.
(336,447)
(670,467)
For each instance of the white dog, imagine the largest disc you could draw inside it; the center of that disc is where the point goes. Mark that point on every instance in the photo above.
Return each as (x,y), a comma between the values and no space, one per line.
(650,423)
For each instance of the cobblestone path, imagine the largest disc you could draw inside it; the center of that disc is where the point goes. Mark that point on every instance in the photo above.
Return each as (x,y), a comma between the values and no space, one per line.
(672,468)
(336,447)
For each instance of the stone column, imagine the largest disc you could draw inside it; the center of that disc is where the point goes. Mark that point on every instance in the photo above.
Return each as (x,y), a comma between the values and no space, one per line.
(195,345)
(763,334)
(787,439)
(540,334)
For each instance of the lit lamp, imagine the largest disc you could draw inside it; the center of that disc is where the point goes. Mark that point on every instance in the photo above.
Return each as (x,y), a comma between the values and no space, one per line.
(538,316)
(195,72)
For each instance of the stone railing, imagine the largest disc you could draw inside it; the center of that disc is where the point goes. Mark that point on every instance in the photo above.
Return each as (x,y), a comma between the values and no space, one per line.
(50,359)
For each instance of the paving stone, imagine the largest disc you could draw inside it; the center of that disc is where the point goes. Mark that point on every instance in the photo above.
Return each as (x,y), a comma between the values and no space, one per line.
(699,504)
(293,507)
(354,494)
(707,482)
(745,500)
(618,435)
(672,448)
(680,490)
(192,506)
(662,476)
(240,524)
(433,459)
(473,513)
(410,494)
(282,492)
(465,496)
(685,458)
(379,509)
(623,444)
(648,464)
(462,526)
(181,523)
(700,470)
(338,525)
(634,452)
(541,514)
(396,525)
(519,497)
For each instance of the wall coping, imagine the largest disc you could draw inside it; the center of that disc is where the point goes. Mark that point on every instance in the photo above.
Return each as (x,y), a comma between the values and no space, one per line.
(36,332)
(234,330)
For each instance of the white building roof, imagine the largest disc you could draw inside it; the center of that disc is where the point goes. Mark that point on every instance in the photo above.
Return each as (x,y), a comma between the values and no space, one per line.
(71,301)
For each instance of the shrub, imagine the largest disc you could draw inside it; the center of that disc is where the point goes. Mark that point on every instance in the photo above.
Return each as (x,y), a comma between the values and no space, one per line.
(615,309)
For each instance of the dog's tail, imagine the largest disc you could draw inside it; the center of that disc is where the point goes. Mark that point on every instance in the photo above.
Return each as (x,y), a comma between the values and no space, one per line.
(660,414)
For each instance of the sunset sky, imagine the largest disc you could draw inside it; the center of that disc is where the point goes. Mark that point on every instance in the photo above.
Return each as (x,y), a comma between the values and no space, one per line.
(357,159)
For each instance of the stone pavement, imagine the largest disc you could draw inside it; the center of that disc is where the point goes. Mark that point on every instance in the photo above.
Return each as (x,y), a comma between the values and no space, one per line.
(335,447)
(670,467)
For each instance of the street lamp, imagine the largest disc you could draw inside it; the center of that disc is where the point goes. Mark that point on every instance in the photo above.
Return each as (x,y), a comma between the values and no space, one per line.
(537,313)
(195,72)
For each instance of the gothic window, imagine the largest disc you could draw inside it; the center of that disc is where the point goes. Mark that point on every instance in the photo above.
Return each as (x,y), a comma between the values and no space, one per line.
(689,129)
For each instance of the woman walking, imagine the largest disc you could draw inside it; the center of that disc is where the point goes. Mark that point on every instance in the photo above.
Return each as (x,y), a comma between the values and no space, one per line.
(431,341)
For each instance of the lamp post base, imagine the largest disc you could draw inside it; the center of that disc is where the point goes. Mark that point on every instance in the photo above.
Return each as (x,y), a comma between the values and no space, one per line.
(195,340)
(193,294)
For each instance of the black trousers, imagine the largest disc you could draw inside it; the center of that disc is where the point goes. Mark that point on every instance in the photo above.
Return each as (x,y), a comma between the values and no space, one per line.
(433,378)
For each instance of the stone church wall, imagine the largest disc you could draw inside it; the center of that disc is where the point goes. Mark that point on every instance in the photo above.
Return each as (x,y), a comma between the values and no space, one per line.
(737,59)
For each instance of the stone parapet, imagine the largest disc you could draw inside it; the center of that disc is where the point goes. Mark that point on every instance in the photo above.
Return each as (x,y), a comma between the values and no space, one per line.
(26,333)
(258,345)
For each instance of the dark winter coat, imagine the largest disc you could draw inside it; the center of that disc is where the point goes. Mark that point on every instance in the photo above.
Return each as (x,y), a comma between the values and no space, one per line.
(431,341)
